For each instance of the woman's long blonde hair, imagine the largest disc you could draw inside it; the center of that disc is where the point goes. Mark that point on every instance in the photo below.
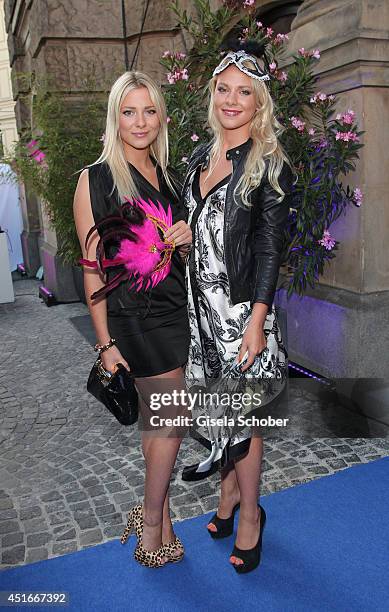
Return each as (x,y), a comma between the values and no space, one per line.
(113,150)
(265,130)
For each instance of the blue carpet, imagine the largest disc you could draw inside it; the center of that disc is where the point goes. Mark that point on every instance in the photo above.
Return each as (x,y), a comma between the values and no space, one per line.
(325,547)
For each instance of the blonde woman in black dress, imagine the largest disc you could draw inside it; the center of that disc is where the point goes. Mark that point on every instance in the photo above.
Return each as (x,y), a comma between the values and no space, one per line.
(237,191)
(150,327)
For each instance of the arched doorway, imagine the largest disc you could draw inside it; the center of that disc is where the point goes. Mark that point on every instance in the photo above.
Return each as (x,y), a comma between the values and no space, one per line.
(278,16)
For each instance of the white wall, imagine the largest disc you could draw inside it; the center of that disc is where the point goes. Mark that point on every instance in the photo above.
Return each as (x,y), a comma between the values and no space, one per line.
(7,116)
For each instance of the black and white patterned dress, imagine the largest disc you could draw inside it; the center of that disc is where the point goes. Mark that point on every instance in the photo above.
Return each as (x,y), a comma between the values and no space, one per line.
(216,329)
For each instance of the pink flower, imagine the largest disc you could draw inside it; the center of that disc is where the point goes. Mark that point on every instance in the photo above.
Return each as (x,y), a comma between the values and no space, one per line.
(311,131)
(298,124)
(180,55)
(248,3)
(280,38)
(269,32)
(327,241)
(259,24)
(318,96)
(315,53)
(346,136)
(35,153)
(168,119)
(39,156)
(245,31)
(177,75)
(357,196)
(346,118)
(166,54)
(273,66)
(194,137)
(282,77)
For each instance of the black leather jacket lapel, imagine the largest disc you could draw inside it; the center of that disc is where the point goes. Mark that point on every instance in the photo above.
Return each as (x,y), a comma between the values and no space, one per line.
(253,237)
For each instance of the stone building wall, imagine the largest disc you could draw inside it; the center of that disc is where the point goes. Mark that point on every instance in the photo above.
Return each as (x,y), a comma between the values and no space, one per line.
(77,39)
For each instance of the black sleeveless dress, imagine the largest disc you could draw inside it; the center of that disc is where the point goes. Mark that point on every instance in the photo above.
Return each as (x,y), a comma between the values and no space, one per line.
(150,327)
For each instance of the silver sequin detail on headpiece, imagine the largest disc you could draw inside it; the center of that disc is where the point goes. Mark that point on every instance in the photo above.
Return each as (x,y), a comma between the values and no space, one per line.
(237,58)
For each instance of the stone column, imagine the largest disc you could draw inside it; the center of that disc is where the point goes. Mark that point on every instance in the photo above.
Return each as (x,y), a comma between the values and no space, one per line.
(341,328)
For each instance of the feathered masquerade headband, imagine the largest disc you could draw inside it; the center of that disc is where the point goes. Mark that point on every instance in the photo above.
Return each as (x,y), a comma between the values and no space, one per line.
(144,254)
(240,52)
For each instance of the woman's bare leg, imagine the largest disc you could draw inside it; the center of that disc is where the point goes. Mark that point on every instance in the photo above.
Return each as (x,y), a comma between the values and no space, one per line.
(167,528)
(248,473)
(160,456)
(229,494)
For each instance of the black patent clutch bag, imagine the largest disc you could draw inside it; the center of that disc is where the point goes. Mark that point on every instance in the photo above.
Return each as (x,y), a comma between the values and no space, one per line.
(116,391)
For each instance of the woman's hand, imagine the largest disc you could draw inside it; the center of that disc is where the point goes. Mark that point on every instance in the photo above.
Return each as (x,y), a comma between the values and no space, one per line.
(254,341)
(181,233)
(111,357)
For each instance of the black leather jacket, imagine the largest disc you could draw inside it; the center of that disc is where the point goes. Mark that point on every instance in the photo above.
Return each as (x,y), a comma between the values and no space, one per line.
(253,237)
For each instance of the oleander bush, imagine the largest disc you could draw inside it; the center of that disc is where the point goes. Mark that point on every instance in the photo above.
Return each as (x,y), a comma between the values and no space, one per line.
(322,145)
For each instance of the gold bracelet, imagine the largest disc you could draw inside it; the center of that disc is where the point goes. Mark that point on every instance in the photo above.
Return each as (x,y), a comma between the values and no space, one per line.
(100,348)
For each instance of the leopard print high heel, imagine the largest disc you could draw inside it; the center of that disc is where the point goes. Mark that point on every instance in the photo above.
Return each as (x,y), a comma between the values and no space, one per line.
(172,548)
(148,558)
(135,521)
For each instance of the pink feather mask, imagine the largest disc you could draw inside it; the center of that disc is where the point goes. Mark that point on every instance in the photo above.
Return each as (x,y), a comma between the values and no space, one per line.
(142,252)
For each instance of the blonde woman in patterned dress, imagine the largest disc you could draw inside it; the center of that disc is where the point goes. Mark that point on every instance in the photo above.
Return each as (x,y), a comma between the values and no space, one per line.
(237,191)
